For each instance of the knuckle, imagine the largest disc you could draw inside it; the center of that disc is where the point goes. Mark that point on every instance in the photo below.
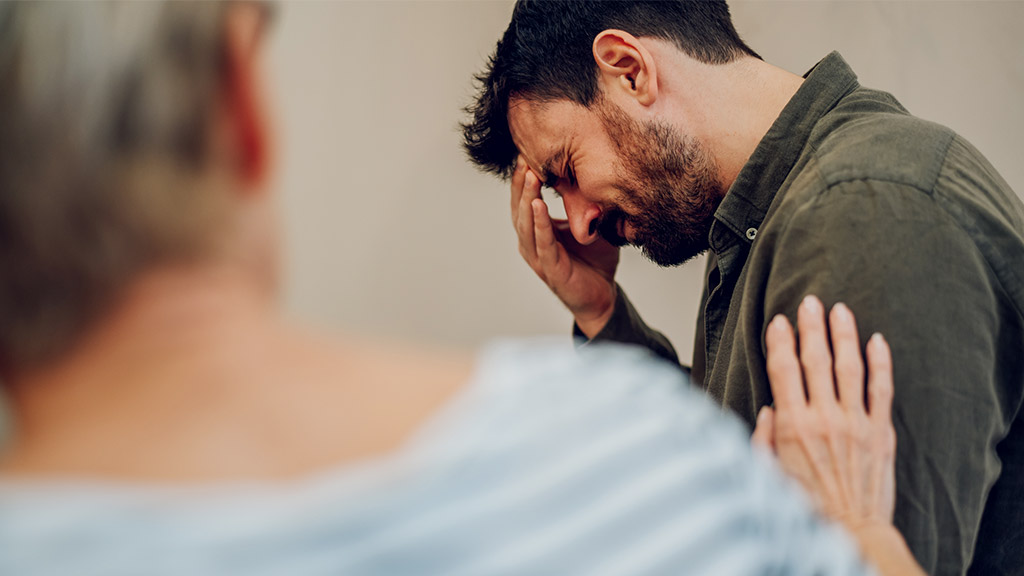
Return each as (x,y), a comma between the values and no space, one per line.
(787,431)
(814,360)
(781,365)
(805,429)
(833,431)
(775,369)
(826,427)
(881,361)
(860,435)
(879,398)
(879,366)
(882,393)
(849,365)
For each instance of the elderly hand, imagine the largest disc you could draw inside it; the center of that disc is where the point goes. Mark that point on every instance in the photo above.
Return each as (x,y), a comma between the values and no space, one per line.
(840,449)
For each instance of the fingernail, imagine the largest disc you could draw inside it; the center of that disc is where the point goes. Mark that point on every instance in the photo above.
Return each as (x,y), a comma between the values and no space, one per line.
(842,312)
(777,323)
(811,303)
(877,338)
(762,413)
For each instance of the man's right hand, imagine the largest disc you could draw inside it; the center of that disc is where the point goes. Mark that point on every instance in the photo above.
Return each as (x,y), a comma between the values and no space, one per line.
(582,276)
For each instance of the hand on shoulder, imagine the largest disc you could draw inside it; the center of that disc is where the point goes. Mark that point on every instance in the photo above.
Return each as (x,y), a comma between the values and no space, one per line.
(836,440)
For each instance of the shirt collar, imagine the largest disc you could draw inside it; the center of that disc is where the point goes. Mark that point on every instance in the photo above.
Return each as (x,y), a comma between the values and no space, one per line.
(745,204)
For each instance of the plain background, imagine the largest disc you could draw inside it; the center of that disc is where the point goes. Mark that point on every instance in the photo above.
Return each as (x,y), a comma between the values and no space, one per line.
(392,233)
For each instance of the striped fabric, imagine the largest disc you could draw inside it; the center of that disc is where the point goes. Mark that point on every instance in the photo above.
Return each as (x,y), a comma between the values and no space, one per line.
(549,462)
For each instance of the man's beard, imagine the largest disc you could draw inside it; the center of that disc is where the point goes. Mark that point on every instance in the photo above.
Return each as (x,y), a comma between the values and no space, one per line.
(669,187)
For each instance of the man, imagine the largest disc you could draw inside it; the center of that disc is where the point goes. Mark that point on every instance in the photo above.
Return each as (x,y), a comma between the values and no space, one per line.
(660,128)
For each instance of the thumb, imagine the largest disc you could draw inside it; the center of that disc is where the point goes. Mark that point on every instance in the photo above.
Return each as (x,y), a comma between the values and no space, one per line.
(764,431)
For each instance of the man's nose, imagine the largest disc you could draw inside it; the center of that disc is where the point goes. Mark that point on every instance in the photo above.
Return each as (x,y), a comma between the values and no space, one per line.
(583,217)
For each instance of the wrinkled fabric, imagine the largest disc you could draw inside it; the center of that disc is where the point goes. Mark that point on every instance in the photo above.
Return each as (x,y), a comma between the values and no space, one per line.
(850,198)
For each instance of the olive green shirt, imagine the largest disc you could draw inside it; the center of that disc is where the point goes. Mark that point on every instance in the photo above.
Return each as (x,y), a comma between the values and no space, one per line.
(852,199)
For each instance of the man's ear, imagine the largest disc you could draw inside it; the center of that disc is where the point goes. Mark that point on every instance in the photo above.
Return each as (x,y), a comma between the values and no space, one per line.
(243,98)
(626,65)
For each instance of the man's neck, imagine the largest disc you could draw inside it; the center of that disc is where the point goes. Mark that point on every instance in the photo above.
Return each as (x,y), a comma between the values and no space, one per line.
(729,107)
(751,96)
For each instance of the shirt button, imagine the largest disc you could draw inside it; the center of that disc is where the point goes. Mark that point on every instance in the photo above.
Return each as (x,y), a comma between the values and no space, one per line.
(751,233)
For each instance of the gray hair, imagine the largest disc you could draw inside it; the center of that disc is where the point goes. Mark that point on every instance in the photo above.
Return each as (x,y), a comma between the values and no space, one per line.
(105,113)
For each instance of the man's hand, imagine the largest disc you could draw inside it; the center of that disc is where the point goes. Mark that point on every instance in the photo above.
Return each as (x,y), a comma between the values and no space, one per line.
(581,276)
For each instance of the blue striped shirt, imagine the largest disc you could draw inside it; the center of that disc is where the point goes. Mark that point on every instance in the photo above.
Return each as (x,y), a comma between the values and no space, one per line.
(550,461)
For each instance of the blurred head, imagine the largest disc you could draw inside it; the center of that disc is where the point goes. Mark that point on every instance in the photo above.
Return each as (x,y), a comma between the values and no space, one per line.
(570,87)
(132,135)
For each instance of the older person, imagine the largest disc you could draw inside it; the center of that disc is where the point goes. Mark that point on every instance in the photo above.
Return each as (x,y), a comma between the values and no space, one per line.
(168,421)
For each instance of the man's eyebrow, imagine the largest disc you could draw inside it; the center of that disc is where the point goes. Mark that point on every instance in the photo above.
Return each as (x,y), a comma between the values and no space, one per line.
(548,168)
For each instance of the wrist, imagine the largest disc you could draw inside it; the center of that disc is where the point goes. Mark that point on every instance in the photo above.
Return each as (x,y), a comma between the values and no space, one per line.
(592,322)
(884,547)
(875,532)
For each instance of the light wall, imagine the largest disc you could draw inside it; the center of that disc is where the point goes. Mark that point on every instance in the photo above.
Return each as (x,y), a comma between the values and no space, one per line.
(392,232)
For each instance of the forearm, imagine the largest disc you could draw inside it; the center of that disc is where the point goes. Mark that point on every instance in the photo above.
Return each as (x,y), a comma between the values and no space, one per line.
(625,326)
(591,326)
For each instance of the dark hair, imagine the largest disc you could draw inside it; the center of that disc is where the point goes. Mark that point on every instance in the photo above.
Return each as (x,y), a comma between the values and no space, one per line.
(545,55)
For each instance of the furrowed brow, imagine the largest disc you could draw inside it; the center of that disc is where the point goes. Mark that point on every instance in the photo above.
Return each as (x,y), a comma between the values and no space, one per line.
(548,169)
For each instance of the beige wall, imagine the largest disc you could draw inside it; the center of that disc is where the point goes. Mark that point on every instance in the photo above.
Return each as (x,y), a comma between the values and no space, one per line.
(391,232)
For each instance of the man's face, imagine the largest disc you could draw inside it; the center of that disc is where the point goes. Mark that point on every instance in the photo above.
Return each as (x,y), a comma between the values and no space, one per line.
(628,181)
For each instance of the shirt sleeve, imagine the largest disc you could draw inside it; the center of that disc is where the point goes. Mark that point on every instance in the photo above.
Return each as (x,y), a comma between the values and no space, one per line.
(908,270)
(627,327)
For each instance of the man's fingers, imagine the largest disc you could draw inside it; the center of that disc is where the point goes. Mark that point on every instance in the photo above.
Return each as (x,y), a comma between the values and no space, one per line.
(518,178)
(764,430)
(880,387)
(525,226)
(783,366)
(815,356)
(547,245)
(849,366)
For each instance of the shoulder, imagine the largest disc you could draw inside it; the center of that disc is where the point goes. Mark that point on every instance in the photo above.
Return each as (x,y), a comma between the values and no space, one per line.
(542,397)
(872,168)
(869,157)
(870,136)
(613,438)
(554,377)
(669,466)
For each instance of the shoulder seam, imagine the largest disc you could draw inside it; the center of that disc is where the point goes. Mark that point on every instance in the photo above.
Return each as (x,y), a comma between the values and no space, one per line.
(929,182)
